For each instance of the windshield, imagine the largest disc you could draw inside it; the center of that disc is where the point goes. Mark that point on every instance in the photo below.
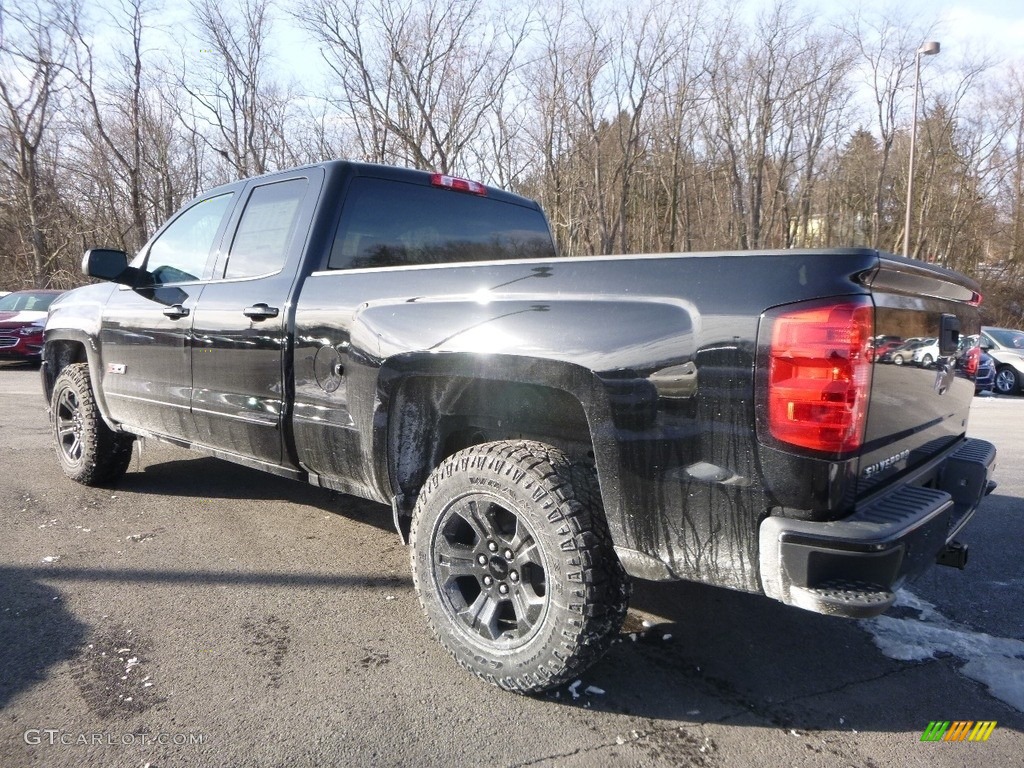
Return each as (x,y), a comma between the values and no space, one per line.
(1010,339)
(31,302)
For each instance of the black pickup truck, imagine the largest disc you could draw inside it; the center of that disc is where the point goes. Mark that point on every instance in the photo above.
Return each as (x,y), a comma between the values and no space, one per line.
(543,428)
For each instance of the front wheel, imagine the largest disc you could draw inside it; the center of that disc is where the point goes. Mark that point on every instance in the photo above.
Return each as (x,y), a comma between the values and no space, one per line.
(897,359)
(1007,381)
(514,566)
(927,360)
(89,451)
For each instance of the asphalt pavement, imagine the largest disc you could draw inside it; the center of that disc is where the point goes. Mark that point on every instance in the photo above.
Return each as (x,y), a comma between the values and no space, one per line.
(204,614)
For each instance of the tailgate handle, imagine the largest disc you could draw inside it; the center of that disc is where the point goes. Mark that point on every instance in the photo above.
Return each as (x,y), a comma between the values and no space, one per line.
(949,335)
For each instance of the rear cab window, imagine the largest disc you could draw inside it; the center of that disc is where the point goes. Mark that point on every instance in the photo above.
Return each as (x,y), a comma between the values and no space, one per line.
(387,223)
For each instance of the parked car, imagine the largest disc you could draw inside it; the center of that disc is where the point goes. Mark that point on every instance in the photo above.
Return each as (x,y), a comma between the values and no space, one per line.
(985,379)
(904,353)
(22,317)
(927,354)
(976,365)
(1006,346)
(879,350)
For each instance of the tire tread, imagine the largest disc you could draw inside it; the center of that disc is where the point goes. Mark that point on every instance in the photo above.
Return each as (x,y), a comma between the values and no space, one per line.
(604,583)
(105,454)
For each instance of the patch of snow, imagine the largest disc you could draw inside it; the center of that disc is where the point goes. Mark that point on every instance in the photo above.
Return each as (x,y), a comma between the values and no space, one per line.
(593,690)
(574,688)
(996,662)
(51,558)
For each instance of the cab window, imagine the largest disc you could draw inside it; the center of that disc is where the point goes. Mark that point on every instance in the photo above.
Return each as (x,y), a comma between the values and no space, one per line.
(266,229)
(390,224)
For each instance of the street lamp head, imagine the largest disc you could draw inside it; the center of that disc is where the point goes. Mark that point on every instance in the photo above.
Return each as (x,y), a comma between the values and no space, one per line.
(929,49)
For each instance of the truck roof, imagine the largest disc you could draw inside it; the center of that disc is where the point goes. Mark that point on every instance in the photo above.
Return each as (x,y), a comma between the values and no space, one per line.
(337,168)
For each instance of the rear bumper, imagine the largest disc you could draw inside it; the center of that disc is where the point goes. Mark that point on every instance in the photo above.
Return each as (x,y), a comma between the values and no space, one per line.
(850,567)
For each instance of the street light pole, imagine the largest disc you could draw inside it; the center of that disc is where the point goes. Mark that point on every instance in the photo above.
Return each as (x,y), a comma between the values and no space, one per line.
(928,49)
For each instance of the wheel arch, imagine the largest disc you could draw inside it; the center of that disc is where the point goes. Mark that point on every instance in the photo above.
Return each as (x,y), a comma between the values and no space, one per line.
(66,347)
(431,406)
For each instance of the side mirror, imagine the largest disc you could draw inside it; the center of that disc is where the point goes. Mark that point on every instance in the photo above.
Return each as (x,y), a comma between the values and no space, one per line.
(985,345)
(105,264)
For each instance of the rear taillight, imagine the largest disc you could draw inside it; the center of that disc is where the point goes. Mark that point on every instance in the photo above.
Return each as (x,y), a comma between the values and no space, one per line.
(457,184)
(819,375)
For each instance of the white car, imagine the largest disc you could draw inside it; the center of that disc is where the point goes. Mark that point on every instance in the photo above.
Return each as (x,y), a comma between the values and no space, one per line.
(1006,347)
(926,355)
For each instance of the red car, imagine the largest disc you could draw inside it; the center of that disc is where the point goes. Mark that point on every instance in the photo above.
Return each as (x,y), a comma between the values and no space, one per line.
(22,317)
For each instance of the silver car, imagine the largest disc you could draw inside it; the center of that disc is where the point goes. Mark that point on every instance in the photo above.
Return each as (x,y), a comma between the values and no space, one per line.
(1006,346)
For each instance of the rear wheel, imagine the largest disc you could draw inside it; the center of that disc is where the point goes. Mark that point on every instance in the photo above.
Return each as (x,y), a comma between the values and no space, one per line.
(514,566)
(1007,381)
(89,451)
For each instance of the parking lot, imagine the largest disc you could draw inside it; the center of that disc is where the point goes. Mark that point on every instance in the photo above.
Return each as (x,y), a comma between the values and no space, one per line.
(202,613)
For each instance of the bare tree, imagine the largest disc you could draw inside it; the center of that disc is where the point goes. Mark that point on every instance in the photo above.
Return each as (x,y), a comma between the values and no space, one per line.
(756,80)
(417,79)
(887,45)
(820,113)
(33,53)
(235,108)
(116,101)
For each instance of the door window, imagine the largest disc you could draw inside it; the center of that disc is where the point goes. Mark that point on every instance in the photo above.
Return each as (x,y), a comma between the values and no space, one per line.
(266,228)
(182,250)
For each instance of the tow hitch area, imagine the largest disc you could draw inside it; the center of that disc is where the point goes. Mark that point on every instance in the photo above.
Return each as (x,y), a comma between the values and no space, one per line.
(954,555)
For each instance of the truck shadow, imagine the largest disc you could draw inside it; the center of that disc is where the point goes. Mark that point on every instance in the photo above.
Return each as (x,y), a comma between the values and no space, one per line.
(37,632)
(714,655)
(211,478)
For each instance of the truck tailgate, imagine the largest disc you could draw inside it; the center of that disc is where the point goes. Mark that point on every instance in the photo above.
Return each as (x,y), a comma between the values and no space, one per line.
(917,411)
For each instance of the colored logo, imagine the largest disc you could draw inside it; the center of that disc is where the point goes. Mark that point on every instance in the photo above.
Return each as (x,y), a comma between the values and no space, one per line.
(958,730)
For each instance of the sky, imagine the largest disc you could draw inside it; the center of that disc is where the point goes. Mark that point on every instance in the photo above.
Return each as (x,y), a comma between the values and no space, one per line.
(964,27)
(995,27)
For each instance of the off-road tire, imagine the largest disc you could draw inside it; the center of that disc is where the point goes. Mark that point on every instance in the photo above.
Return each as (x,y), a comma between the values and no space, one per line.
(514,566)
(89,451)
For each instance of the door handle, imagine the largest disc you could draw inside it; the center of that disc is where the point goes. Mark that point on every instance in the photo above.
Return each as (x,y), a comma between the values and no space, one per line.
(176,312)
(260,311)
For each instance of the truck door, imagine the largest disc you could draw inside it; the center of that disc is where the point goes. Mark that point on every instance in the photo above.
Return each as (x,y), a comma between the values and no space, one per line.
(241,324)
(145,336)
